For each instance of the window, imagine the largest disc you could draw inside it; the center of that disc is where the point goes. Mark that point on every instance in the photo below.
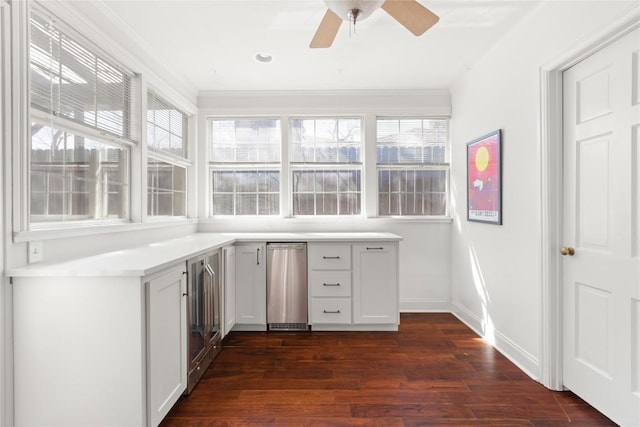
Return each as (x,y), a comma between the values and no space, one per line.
(166,158)
(166,189)
(413,166)
(166,127)
(80,127)
(326,166)
(76,178)
(244,159)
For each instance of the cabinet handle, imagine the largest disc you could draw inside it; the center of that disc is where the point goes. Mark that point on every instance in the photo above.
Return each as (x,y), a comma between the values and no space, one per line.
(375,249)
(258,256)
(184,294)
(331,311)
(330,257)
(331,284)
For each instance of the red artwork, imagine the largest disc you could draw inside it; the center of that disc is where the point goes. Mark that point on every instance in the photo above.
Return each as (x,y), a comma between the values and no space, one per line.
(483,179)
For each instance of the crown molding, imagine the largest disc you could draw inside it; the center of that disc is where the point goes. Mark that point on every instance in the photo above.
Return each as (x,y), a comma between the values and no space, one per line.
(419,101)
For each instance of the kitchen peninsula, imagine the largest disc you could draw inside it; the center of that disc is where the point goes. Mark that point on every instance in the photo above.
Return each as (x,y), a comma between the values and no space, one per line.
(100,340)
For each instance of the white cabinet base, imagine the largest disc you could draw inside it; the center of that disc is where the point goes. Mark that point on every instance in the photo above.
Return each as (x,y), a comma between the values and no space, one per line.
(359,328)
(79,351)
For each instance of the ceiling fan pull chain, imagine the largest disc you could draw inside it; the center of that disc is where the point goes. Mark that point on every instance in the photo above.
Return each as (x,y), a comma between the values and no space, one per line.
(351,29)
(353,14)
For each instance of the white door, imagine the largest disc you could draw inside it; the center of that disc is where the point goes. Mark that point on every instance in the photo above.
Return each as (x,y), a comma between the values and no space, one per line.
(375,283)
(251,285)
(601,267)
(167,342)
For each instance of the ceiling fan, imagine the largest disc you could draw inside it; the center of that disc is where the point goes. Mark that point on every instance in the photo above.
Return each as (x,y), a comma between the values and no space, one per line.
(411,14)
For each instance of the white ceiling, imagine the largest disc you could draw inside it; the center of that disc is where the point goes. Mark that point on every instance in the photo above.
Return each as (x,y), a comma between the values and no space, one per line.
(212,43)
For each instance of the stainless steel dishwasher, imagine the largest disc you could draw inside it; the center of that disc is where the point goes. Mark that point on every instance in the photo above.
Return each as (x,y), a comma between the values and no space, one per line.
(287,301)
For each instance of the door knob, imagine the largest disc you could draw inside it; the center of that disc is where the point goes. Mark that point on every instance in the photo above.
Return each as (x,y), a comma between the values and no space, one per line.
(567,250)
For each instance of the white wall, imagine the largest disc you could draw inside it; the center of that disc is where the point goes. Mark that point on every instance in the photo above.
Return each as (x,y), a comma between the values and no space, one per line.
(496,270)
(425,251)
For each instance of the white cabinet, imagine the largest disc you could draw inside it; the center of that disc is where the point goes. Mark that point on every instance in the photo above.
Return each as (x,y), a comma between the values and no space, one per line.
(166,342)
(251,287)
(229,289)
(99,350)
(329,284)
(353,286)
(375,283)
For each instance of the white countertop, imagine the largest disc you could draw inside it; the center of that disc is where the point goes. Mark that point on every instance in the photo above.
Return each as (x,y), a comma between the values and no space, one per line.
(148,259)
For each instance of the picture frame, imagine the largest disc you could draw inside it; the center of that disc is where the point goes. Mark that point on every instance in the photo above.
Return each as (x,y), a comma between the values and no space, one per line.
(484,179)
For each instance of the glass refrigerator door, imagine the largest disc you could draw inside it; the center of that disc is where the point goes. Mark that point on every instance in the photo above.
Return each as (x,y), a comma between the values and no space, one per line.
(197,309)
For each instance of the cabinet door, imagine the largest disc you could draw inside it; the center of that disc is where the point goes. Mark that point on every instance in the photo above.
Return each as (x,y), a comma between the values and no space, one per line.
(251,284)
(167,342)
(229,289)
(375,283)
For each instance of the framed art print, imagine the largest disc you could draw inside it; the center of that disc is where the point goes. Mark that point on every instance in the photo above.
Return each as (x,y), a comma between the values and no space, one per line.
(484,179)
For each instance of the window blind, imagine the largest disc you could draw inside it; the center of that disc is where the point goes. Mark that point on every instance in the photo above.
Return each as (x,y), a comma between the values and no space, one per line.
(412,141)
(245,140)
(330,140)
(166,126)
(70,79)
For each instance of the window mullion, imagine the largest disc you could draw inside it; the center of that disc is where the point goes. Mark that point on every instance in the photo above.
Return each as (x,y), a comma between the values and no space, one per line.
(286,194)
(370,176)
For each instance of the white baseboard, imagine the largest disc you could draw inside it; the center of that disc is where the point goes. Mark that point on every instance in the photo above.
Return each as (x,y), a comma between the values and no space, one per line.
(516,354)
(416,305)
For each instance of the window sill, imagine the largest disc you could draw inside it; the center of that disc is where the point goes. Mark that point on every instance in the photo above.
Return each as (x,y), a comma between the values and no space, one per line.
(265,220)
(97,229)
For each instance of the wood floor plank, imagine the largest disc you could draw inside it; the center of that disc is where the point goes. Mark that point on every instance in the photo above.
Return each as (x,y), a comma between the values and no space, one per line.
(433,372)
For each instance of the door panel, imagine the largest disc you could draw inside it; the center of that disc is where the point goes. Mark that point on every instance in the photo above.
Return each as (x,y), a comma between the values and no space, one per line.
(601,279)
(593,191)
(636,190)
(636,347)
(593,96)
(593,337)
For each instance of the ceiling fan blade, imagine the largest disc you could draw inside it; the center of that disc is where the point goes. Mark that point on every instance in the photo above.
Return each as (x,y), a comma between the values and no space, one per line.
(327,30)
(411,14)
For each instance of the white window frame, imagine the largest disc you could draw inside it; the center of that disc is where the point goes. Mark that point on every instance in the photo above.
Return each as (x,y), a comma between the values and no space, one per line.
(328,166)
(166,157)
(213,166)
(126,143)
(443,167)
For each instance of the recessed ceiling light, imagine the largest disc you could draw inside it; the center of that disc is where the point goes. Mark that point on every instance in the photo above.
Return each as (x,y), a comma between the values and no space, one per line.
(263,57)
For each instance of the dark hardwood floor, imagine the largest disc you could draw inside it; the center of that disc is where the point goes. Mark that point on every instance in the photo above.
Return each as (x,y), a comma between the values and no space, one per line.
(433,372)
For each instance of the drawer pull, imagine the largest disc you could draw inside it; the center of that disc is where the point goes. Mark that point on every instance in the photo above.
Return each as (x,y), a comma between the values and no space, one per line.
(330,257)
(331,311)
(375,249)
(331,284)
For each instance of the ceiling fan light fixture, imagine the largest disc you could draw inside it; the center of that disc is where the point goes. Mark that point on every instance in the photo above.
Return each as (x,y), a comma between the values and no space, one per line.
(344,8)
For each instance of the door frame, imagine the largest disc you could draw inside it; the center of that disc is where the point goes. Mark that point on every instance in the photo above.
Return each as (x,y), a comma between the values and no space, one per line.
(551,203)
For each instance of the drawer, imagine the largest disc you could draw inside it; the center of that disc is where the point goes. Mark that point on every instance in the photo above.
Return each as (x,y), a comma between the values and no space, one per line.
(330,283)
(329,257)
(331,310)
